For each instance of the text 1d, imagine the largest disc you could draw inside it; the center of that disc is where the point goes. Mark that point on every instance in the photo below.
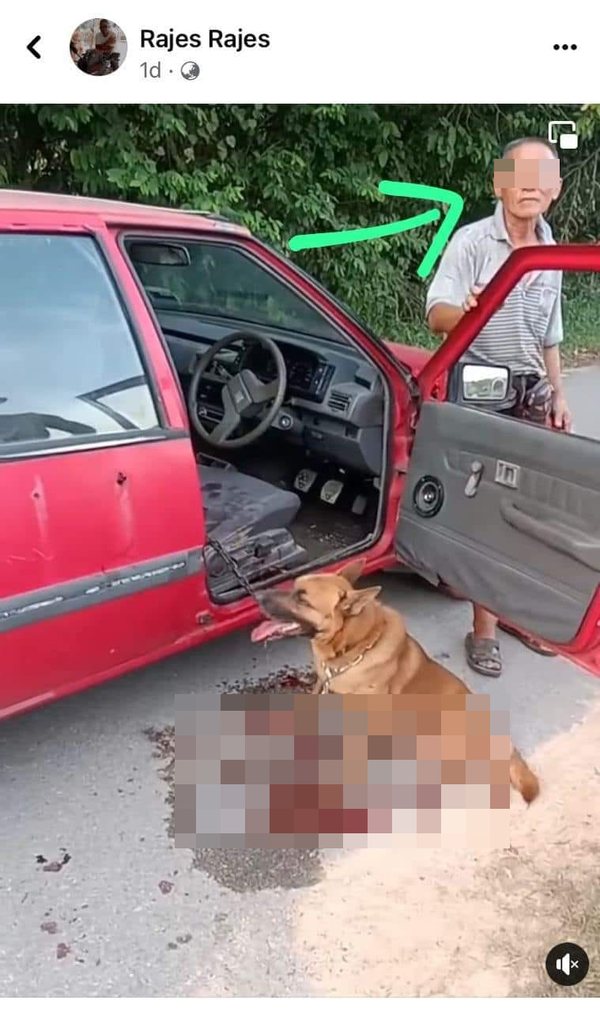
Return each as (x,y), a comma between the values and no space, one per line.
(151,70)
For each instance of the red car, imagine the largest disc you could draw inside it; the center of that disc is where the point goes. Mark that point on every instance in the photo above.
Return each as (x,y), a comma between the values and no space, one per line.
(185,416)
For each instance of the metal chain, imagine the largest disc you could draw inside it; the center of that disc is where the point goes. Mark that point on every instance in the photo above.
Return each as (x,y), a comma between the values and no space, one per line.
(230,561)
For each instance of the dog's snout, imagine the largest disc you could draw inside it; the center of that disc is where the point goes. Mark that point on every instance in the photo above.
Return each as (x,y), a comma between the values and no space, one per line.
(275,604)
(268,600)
(263,600)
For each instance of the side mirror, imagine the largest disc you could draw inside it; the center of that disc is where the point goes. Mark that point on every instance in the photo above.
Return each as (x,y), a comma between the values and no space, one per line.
(482,386)
(485,383)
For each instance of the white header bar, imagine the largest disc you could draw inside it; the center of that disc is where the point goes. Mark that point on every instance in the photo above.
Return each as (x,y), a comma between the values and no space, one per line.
(316,51)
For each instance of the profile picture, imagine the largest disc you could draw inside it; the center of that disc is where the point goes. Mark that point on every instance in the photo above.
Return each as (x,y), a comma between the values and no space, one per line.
(98,47)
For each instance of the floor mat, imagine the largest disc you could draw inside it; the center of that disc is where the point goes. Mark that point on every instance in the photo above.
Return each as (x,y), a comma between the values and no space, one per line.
(321,529)
(268,468)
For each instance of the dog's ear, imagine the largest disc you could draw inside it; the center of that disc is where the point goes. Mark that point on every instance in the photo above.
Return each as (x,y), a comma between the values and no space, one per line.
(352,570)
(354,603)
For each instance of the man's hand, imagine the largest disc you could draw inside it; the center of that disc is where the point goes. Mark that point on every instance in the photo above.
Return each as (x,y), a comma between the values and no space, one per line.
(471,299)
(561,416)
(443,318)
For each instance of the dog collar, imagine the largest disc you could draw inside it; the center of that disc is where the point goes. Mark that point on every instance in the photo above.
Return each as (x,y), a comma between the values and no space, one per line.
(331,673)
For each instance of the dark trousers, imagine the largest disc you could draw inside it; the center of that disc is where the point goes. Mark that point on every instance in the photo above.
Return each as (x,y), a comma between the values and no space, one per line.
(533,399)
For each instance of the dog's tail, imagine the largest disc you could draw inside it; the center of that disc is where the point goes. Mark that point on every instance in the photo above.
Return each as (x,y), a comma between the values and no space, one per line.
(522,778)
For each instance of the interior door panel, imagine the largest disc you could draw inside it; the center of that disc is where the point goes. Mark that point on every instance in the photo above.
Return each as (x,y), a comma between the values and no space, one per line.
(510,516)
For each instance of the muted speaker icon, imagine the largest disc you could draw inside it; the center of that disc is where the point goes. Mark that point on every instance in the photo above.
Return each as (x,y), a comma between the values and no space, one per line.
(567,964)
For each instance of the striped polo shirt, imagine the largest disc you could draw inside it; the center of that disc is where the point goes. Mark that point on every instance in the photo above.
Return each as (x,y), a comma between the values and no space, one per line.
(529,320)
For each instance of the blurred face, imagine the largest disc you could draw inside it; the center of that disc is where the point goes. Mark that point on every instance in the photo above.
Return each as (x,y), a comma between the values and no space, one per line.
(528,181)
(104,27)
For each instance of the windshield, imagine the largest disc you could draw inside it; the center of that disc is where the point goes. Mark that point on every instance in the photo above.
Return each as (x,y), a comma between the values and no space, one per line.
(224,281)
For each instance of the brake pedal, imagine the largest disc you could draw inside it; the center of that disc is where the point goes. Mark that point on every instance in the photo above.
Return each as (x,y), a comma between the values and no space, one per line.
(331,491)
(304,480)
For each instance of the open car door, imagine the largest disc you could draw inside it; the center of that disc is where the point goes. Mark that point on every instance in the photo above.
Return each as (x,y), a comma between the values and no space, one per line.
(505,512)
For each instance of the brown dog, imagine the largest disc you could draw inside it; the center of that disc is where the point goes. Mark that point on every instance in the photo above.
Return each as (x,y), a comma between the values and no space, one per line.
(360,646)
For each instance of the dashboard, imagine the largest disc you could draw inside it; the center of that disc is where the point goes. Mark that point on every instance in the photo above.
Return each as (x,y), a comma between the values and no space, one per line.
(334,402)
(308,374)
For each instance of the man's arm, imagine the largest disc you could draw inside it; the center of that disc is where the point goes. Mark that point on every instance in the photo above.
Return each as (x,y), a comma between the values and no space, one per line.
(451,293)
(443,317)
(561,417)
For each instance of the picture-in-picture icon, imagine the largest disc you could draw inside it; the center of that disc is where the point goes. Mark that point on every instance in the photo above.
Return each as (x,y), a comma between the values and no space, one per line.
(566,141)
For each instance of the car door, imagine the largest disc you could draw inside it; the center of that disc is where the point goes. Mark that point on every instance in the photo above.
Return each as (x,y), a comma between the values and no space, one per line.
(101,526)
(505,512)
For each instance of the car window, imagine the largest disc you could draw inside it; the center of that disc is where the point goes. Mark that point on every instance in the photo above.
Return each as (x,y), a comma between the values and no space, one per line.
(223,281)
(69,365)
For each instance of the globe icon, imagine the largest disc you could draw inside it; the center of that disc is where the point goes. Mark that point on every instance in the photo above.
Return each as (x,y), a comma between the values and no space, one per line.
(190,70)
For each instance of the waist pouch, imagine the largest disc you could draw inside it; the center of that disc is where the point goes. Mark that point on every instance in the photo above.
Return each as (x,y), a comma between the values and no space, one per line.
(532,398)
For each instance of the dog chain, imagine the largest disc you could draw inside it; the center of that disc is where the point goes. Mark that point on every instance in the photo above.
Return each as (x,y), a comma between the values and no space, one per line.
(331,673)
(230,561)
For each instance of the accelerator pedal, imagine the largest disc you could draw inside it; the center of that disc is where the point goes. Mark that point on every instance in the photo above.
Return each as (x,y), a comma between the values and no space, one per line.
(359,505)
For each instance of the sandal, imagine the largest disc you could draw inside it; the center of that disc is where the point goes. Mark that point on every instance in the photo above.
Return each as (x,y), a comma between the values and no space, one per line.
(483,656)
(527,641)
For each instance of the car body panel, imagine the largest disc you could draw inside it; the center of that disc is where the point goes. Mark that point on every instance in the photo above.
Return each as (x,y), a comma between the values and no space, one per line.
(100,544)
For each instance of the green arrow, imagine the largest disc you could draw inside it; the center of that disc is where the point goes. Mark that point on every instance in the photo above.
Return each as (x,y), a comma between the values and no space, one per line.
(455,202)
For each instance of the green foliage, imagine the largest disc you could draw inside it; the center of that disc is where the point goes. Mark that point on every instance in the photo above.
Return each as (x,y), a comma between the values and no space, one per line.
(287,169)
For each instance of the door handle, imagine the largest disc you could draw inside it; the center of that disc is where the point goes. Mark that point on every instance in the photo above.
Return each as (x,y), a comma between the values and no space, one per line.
(582,546)
(474,479)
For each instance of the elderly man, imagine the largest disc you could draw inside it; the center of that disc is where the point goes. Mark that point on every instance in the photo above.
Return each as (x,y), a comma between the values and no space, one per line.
(105,40)
(525,332)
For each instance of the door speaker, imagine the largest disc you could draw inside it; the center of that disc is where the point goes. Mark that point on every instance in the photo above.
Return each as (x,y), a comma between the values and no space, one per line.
(428,496)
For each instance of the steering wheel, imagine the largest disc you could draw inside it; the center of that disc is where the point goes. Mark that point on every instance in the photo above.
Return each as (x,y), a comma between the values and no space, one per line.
(243,395)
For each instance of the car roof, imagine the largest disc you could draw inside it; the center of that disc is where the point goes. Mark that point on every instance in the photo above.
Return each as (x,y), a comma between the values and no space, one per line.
(117,212)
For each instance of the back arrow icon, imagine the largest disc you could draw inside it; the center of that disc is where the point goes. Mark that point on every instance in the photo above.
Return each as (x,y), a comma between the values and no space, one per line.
(32,45)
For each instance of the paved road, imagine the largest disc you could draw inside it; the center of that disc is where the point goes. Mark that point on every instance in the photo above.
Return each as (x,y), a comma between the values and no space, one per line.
(81,791)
